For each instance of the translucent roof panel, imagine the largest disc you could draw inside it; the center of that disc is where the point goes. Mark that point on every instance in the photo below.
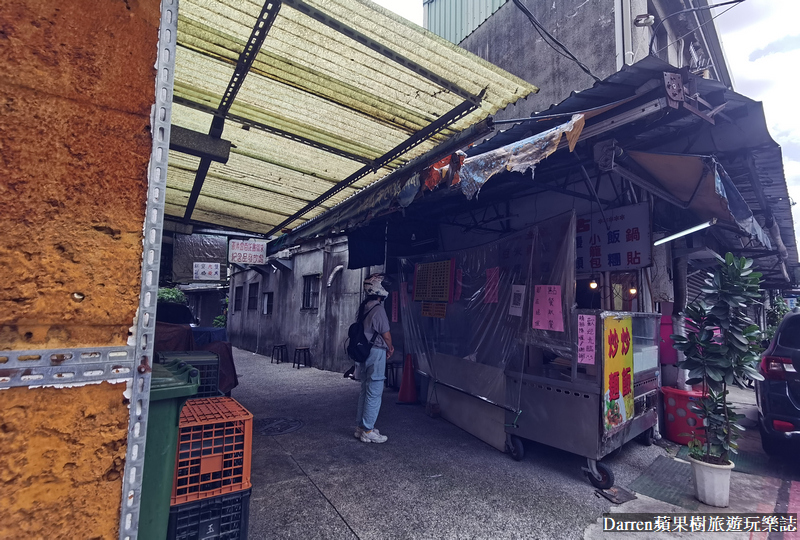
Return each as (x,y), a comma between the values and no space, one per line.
(335,86)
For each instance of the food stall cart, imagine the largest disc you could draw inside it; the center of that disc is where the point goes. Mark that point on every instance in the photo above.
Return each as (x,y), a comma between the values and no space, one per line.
(596,399)
(496,330)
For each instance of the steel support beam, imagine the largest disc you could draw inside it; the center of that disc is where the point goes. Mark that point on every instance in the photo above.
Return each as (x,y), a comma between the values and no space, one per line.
(422,135)
(269,129)
(260,30)
(198,144)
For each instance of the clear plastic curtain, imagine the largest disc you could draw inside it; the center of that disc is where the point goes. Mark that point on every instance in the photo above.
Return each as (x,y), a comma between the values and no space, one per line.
(477,332)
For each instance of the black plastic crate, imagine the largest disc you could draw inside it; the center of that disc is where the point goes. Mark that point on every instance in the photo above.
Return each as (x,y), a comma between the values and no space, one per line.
(224,517)
(207,363)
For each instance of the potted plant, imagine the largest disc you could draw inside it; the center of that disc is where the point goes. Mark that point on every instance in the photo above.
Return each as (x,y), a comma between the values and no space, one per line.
(721,344)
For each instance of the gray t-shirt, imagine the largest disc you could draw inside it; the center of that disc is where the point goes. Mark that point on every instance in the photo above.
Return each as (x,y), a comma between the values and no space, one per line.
(376,320)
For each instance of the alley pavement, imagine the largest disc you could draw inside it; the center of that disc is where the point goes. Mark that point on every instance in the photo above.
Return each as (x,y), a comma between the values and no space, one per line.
(313,479)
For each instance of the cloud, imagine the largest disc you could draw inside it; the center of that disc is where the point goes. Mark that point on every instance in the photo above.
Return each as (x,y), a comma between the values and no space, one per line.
(785,44)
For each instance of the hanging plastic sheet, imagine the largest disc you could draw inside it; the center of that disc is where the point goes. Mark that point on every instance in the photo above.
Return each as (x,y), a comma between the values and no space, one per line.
(470,316)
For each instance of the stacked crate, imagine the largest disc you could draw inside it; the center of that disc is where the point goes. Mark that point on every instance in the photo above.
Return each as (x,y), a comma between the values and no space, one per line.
(207,363)
(211,487)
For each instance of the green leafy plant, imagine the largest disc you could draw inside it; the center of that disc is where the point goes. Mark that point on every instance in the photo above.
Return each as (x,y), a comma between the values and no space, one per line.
(172,296)
(220,321)
(775,315)
(721,342)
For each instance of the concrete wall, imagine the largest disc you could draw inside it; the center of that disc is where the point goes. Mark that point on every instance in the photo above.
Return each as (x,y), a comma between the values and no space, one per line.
(508,40)
(324,329)
(76,88)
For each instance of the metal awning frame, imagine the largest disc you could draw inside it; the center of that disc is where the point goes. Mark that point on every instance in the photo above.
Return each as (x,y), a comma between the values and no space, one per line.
(259,32)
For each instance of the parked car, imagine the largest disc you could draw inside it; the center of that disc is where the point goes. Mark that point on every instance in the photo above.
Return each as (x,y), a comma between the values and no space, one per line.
(778,395)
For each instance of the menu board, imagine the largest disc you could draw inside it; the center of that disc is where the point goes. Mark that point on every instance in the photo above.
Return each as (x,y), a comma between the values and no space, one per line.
(547,314)
(587,327)
(433,281)
(620,240)
(618,371)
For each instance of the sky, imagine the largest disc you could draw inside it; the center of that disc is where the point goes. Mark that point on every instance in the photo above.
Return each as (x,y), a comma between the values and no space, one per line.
(761,39)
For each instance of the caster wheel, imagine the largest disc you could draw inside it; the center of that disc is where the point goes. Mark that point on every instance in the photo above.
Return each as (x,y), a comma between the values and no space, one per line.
(646,437)
(515,448)
(606,480)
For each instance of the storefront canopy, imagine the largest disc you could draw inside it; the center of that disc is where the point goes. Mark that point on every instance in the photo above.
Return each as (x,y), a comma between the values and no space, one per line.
(318,99)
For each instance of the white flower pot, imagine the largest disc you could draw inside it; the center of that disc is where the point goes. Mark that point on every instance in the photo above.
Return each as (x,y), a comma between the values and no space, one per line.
(712,483)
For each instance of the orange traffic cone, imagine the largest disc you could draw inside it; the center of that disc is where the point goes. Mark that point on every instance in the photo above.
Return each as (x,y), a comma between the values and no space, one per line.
(408,390)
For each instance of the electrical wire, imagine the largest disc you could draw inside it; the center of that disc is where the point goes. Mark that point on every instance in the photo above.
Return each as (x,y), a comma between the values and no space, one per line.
(690,10)
(703,24)
(552,42)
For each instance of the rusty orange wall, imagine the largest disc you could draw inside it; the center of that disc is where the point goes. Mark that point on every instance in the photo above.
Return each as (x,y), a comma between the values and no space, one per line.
(76,84)
(75,93)
(62,460)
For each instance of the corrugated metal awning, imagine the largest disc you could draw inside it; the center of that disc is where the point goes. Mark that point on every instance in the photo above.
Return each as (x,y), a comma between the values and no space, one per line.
(339,94)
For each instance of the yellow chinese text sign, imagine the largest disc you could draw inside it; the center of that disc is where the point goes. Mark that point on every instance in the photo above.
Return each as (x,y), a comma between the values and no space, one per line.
(618,372)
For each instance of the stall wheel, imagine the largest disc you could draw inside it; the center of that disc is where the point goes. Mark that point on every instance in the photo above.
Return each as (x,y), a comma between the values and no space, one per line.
(604,479)
(646,437)
(515,448)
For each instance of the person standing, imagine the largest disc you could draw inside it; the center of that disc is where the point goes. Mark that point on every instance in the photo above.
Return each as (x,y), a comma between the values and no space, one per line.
(373,372)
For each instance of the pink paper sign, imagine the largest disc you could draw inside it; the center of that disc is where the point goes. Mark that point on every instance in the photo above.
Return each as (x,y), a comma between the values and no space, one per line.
(492,285)
(394,306)
(586,338)
(547,308)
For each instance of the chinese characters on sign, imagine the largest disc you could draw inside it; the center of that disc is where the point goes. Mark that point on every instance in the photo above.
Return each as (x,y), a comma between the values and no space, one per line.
(586,338)
(618,370)
(433,282)
(247,252)
(394,305)
(205,271)
(547,308)
(697,523)
(621,241)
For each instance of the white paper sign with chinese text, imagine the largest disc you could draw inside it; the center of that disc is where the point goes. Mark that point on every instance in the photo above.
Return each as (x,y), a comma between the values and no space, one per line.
(586,338)
(619,242)
(205,271)
(247,252)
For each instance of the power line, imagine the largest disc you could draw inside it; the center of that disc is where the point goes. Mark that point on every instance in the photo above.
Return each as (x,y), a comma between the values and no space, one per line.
(556,45)
(699,27)
(661,22)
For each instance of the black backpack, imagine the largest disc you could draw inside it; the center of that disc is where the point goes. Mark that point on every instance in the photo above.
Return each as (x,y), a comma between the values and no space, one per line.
(358,347)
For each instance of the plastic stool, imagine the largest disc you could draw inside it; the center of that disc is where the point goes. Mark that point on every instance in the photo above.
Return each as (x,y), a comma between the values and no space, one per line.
(280,354)
(302,354)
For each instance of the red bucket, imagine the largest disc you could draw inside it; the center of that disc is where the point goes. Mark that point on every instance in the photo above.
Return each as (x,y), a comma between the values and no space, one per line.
(679,420)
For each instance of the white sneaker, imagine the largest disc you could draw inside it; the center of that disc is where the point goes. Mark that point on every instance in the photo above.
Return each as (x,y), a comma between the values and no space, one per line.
(373,436)
(360,430)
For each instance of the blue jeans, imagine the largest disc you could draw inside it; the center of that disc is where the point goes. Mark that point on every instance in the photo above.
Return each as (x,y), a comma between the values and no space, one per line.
(373,373)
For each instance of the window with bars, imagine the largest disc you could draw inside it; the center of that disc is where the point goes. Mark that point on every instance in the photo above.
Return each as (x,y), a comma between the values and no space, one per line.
(252,297)
(267,304)
(237,298)
(311,292)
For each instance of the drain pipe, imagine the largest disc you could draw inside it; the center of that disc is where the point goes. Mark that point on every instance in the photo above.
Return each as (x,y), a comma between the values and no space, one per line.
(333,274)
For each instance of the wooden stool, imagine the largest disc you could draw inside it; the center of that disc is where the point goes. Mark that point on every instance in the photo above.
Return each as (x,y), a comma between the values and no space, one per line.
(302,354)
(280,354)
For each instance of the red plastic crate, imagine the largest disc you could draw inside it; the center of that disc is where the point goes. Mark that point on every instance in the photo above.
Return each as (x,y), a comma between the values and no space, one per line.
(214,447)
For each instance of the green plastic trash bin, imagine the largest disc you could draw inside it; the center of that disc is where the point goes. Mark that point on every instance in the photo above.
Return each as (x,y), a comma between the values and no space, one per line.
(170,387)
